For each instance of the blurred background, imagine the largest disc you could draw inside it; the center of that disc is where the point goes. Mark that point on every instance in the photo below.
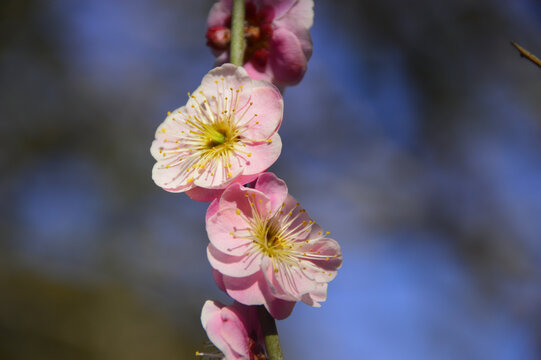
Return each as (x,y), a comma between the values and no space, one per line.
(415,138)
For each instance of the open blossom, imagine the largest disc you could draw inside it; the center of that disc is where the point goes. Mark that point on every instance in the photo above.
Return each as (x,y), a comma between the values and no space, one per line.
(227,132)
(265,249)
(278,42)
(234,330)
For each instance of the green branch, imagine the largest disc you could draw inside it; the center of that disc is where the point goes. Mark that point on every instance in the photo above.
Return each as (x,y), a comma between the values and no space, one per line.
(272,342)
(237,33)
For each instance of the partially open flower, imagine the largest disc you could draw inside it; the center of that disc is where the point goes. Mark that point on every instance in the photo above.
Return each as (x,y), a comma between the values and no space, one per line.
(278,42)
(234,330)
(266,250)
(227,132)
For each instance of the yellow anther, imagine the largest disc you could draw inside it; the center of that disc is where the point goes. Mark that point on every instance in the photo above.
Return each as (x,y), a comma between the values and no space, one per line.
(167,166)
(169,113)
(238,211)
(163,130)
(269,141)
(327,258)
(249,154)
(275,270)
(327,233)
(189,180)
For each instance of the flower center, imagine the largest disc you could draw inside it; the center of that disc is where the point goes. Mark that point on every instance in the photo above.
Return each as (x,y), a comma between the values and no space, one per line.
(270,237)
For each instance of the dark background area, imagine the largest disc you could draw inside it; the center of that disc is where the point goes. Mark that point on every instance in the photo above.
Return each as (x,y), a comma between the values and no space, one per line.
(415,138)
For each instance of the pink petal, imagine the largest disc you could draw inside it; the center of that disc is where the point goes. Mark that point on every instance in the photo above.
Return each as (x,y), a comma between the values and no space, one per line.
(263,155)
(171,179)
(331,258)
(274,188)
(234,333)
(217,177)
(213,327)
(287,59)
(264,116)
(220,228)
(236,266)
(280,7)
(234,76)
(242,198)
(301,14)
(315,297)
(204,195)
(212,209)
(219,13)
(256,74)
(253,290)
(210,309)
(289,283)
(246,290)
(278,308)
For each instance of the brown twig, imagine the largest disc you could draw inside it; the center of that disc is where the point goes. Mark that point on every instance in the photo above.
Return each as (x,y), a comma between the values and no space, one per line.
(525,53)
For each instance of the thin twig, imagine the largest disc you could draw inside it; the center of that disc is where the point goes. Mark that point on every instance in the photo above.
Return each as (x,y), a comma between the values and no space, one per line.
(526,54)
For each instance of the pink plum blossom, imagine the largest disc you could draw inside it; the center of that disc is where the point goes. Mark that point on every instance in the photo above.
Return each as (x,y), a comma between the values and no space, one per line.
(227,132)
(265,249)
(234,330)
(278,42)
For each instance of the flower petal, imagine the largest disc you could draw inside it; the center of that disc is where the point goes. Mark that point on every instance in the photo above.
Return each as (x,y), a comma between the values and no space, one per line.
(287,58)
(274,188)
(246,200)
(222,228)
(263,154)
(219,13)
(204,195)
(263,117)
(236,266)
